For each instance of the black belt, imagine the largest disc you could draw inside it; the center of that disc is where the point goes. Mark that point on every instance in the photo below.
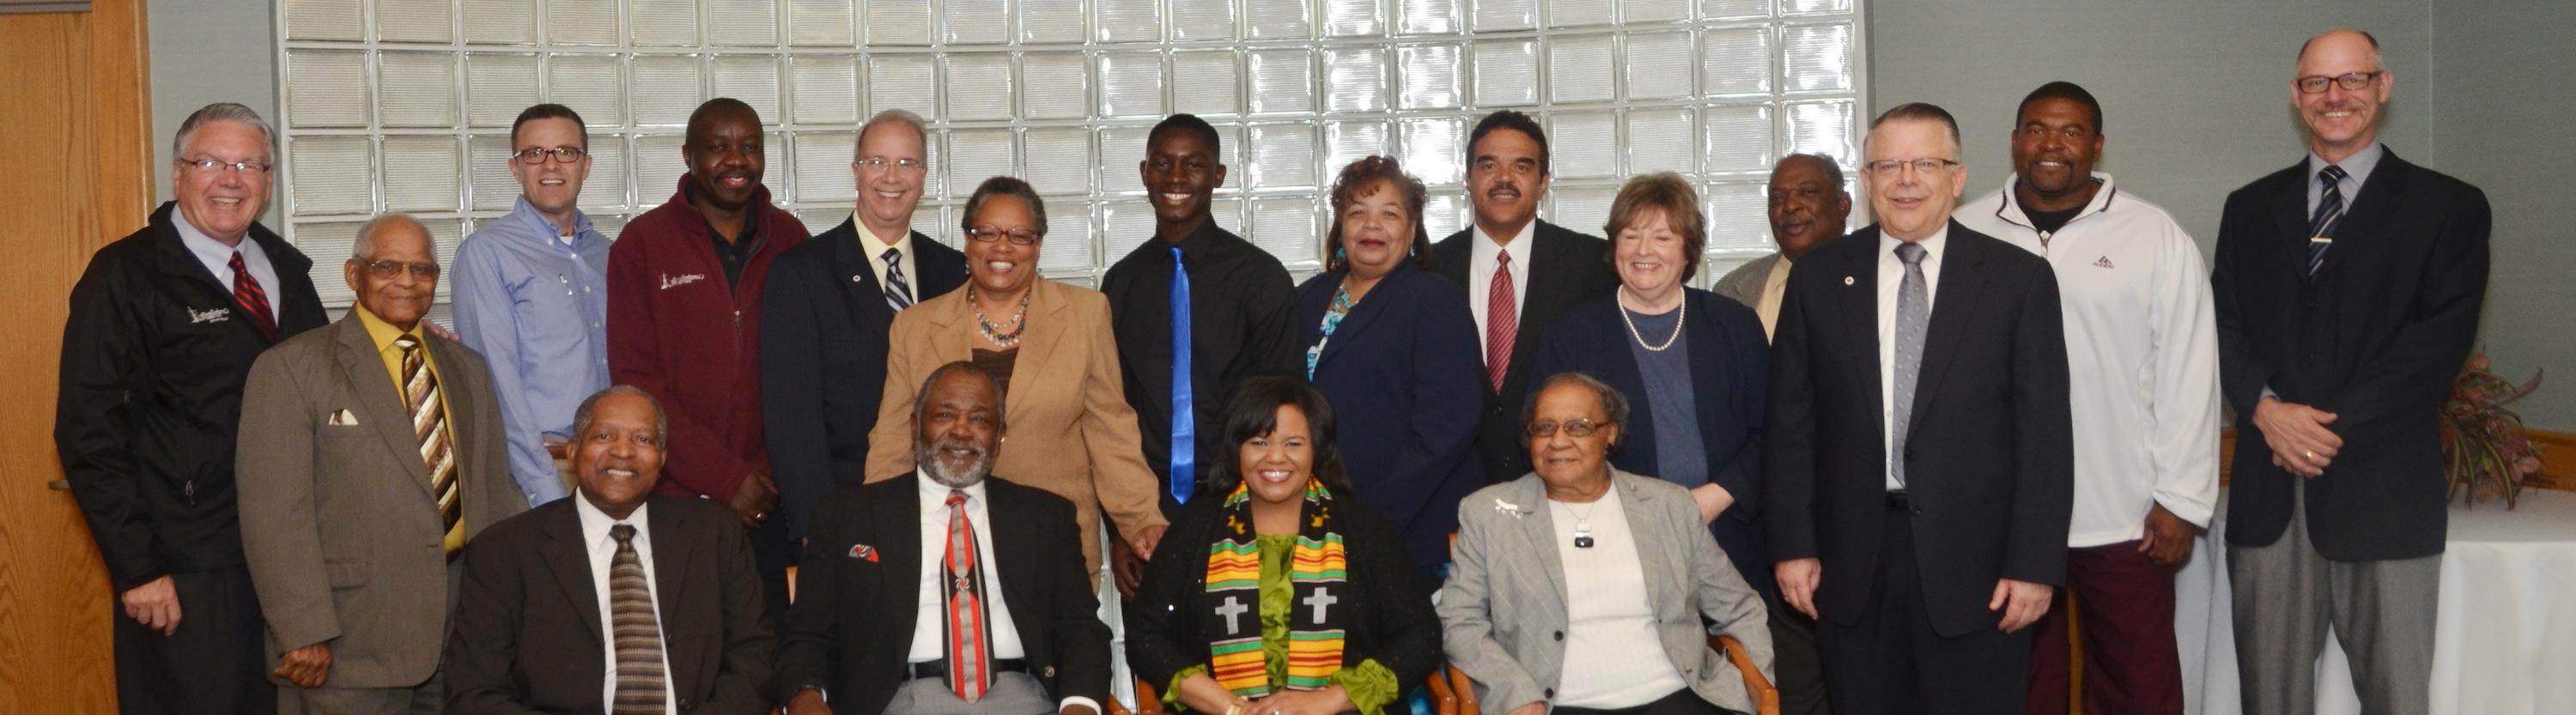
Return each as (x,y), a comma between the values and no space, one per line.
(1896,499)
(939,668)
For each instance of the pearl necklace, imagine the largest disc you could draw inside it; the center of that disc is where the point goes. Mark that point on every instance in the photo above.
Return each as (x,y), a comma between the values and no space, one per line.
(1683,315)
(1019,321)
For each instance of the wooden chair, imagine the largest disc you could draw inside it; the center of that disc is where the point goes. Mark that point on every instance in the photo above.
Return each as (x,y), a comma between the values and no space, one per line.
(1444,699)
(1766,699)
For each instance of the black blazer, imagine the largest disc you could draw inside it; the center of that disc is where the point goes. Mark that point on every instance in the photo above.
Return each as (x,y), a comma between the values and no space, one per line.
(1727,355)
(2377,339)
(822,359)
(1989,461)
(527,637)
(1406,385)
(1391,619)
(851,628)
(1565,268)
(154,356)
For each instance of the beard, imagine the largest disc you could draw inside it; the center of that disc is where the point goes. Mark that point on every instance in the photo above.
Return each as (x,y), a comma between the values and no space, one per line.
(928,453)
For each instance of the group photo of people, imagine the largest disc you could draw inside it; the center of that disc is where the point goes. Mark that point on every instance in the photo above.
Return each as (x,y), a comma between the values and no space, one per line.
(1942,452)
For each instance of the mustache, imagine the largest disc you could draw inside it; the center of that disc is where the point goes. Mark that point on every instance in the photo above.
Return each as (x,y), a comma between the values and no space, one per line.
(927,453)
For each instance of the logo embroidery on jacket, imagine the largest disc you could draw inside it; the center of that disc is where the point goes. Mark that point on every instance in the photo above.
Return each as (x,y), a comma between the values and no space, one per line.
(669,281)
(209,316)
(2103,262)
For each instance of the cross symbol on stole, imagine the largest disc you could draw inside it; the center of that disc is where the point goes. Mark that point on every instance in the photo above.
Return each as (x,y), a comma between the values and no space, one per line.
(1321,601)
(1232,611)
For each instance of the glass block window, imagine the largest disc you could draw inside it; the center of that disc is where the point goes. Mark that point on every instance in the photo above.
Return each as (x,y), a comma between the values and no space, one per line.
(405,105)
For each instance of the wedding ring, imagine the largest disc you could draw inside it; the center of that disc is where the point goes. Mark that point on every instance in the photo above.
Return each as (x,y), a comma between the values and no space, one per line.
(2311,456)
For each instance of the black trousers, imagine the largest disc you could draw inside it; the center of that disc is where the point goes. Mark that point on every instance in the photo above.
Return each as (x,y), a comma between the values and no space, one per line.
(1680,702)
(1891,662)
(1798,671)
(771,554)
(215,663)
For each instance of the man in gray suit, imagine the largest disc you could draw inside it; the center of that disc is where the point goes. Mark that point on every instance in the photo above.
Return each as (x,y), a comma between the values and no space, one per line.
(370,451)
(1808,206)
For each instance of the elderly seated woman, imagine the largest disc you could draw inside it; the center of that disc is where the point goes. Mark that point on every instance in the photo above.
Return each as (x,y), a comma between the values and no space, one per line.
(1581,588)
(1286,597)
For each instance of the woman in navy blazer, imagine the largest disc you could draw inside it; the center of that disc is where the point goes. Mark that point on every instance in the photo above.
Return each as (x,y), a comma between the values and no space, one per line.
(1393,347)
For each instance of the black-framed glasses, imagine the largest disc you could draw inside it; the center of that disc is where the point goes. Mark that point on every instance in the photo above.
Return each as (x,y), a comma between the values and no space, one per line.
(537,155)
(238,167)
(2349,81)
(989,234)
(1926,165)
(389,270)
(1573,428)
(908,164)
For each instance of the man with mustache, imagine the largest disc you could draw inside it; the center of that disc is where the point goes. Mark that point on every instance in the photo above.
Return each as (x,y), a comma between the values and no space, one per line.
(1519,273)
(163,328)
(616,600)
(1808,207)
(2142,359)
(684,289)
(531,294)
(945,590)
(370,455)
(1918,460)
(2348,288)
(1197,311)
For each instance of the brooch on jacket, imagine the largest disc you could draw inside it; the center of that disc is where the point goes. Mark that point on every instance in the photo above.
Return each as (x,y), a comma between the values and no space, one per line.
(1507,507)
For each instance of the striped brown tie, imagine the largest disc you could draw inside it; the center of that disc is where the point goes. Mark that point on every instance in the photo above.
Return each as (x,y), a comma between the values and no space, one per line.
(429,425)
(638,633)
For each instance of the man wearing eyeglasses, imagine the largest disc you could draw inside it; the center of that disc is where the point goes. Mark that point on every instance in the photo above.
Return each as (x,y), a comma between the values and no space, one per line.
(1919,462)
(531,294)
(163,327)
(2348,288)
(370,454)
(829,303)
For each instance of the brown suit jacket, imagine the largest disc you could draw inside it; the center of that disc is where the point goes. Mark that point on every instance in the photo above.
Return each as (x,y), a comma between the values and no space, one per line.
(338,523)
(1070,430)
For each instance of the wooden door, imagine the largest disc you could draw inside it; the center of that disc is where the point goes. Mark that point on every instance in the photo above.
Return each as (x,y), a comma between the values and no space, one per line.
(77,174)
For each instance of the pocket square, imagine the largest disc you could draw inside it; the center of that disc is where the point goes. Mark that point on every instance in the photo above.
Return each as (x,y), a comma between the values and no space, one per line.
(344,418)
(864,552)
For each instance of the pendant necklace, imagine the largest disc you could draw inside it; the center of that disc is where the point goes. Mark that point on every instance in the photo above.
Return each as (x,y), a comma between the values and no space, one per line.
(1019,321)
(1681,313)
(1582,524)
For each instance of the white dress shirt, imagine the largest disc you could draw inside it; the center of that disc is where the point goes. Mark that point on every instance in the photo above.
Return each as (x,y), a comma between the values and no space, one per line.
(603,554)
(1481,262)
(876,247)
(1607,616)
(929,640)
(1891,277)
(2141,352)
(218,259)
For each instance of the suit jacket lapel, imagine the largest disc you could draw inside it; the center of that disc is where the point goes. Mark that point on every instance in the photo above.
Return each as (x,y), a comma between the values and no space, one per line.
(935,272)
(377,402)
(1538,524)
(2370,211)
(1011,566)
(2290,214)
(567,555)
(865,295)
(1362,315)
(1952,307)
(673,554)
(1662,567)
(1046,329)
(898,545)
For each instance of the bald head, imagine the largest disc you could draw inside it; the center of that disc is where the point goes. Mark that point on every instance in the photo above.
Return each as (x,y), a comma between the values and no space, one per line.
(2338,89)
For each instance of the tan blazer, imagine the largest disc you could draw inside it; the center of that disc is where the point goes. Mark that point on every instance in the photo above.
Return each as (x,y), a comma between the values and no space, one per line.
(338,523)
(1070,430)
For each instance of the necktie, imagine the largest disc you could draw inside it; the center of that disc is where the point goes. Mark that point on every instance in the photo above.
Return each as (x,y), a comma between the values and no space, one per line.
(898,293)
(1185,443)
(2329,216)
(1913,317)
(1502,322)
(252,299)
(429,425)
(969,662)
(637,632)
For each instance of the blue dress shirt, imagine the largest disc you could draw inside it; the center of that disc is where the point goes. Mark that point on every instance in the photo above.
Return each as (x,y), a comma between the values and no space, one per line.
(536,307)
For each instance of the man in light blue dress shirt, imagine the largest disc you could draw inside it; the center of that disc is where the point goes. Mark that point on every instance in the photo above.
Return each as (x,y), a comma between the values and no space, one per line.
(530,295)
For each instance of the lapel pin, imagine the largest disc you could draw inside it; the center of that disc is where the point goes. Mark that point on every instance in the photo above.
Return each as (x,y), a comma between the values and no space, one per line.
(1847,280)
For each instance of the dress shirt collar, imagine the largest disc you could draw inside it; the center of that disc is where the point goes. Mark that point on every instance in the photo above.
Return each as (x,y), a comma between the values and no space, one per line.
(934,495)
(217,256)
(2358,166)
(1196,245)
(381,333)
(595,523)
(1932,246)
(534,226)
(1484,248)
(875,245)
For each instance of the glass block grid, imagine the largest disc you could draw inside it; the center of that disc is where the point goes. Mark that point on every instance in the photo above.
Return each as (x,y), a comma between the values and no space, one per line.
(405,105)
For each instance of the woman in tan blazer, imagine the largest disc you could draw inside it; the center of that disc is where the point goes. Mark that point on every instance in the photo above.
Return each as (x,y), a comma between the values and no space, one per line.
(1068,427)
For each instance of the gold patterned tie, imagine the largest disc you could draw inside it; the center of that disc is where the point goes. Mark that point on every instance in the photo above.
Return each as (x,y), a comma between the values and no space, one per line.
(429,425)
(638,634)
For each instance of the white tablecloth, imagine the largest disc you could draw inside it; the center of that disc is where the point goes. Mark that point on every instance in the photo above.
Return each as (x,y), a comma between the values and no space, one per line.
(2505,642)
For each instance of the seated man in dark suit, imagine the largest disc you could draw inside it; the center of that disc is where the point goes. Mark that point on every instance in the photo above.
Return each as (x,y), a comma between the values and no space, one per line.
(618,600)
(902,602)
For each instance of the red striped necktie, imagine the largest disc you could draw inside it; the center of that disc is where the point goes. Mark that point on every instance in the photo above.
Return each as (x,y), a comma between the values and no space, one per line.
(252,299)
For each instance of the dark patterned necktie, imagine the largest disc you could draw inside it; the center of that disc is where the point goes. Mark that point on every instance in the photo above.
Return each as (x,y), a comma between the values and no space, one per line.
(635,630)
(969,646)
(2329,216)
(253,299)
(898,293)
(429,425)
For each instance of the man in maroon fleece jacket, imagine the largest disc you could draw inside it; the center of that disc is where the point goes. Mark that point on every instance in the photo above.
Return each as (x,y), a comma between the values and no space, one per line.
(684,323)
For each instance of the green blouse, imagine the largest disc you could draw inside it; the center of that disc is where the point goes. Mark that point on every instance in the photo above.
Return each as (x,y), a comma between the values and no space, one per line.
(1371,687)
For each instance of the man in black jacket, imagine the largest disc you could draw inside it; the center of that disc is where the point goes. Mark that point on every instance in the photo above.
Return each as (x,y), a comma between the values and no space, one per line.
(164,325)
(943,591)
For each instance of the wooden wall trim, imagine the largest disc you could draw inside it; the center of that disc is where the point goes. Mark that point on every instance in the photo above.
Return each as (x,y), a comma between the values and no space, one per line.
(121,64)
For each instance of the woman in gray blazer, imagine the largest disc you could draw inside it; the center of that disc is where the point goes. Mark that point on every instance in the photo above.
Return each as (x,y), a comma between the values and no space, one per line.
(1581,589)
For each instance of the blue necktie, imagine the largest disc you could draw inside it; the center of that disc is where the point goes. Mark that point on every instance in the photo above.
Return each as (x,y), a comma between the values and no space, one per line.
(1185,444)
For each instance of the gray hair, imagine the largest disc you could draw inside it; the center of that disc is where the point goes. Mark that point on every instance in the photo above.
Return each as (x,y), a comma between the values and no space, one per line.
(365,246)
(223,112)
(903,117)
(1613,403)
(1833,169)
(920,398)
(582,416)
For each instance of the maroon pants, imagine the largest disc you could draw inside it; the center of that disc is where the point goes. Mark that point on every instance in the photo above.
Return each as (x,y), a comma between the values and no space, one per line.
(2126,603)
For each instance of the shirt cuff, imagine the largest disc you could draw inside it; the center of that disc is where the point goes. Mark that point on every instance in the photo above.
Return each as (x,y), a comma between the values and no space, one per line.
(1171,695)
(1082,701)
(1369,685)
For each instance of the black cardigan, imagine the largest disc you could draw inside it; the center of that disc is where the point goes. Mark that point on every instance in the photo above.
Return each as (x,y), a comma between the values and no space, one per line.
(1392,622)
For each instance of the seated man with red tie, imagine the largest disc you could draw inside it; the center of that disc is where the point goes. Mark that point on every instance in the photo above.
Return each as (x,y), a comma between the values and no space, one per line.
(943,590)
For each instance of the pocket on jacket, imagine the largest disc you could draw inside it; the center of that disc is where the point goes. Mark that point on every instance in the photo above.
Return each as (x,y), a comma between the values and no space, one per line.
(345,573)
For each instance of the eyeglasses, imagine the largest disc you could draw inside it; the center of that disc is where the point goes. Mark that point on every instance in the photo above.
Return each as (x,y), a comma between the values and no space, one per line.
(537,155)
(989,234)
(880,163)
(238,167)
(389,270)
(1890,167)
(1575,428)
(2350,81)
